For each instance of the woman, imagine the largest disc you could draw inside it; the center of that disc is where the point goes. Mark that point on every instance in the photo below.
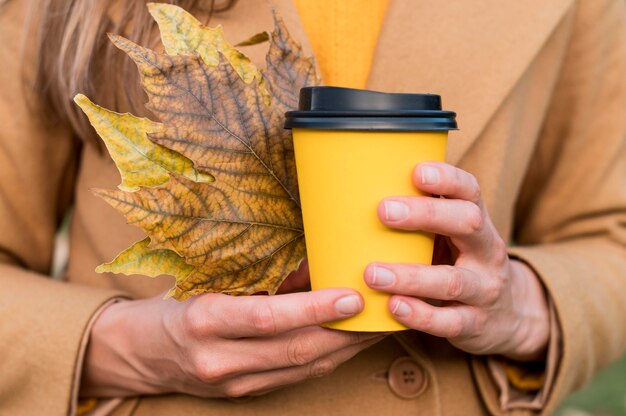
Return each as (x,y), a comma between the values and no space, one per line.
(540,161)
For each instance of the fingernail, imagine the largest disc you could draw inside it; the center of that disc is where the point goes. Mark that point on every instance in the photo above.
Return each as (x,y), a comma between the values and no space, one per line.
(430,175)
(401,309)
(382,277)
(348,305)
(396,211)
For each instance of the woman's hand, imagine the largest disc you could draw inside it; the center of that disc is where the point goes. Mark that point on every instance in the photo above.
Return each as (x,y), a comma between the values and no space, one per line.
(216,345)
(485,303)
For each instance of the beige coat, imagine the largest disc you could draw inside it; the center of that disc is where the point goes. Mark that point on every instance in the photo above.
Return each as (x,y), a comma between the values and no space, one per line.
(539,87)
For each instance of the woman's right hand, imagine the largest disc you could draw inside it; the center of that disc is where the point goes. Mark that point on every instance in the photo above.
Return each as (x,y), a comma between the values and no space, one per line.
(216,345)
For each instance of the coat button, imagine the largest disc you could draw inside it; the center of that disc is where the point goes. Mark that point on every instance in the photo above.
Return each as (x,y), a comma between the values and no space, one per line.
(406,378)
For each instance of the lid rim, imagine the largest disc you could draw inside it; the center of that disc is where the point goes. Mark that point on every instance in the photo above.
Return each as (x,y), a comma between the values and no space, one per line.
(372,123)
(372,113)
(339,108)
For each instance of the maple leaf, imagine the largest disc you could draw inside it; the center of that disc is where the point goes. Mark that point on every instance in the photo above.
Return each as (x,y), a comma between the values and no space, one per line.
(183,34)
(255,39)
(222,118)
(140,259)
(140,161)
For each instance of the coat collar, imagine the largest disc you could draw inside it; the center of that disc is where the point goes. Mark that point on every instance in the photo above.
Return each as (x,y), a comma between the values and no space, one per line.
(472,53)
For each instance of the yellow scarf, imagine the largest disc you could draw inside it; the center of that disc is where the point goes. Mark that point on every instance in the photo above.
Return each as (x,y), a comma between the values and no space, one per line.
(343,35)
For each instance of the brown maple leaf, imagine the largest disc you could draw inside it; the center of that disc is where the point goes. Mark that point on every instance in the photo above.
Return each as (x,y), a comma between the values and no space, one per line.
(242,232)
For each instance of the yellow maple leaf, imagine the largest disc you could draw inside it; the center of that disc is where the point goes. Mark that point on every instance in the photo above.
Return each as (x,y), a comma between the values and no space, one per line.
(140,161)
(141,259)
(183,34)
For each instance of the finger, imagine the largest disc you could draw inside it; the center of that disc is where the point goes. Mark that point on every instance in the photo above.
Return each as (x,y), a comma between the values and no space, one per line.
(294,349)
(446,321)
(444,179)
(433,282)
(463,221)
(263,382)
(254,316)
(450,217)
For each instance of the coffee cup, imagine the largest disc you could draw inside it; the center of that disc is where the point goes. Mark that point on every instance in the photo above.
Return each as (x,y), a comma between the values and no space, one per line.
(353,148)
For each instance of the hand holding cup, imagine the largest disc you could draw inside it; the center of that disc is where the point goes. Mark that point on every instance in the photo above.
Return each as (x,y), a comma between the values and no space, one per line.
(485,303)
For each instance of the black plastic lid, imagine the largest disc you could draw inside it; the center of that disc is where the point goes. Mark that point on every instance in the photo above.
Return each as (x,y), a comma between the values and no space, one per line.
(335,108)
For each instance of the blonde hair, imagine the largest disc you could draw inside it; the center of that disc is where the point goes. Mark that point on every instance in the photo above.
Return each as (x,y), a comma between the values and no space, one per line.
(73,54)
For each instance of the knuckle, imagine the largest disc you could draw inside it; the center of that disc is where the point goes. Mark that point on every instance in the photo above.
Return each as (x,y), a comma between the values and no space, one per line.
(430,211)
(456,186)
(410,279)
(211,372)
(494,290)
(413,272)
(321,368)
(475,219)
(301,351)
(454,282)
(236,389)
(314,311)
(475,193)
(354,338)
(499,251)
(195,322)
(455,327)
(263,320)
(426,319)
(480,322)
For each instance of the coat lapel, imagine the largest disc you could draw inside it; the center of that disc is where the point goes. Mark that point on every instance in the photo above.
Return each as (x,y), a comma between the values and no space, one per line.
(472,53)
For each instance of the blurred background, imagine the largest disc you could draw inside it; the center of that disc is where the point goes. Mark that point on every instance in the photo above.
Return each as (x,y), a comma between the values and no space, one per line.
(604,396)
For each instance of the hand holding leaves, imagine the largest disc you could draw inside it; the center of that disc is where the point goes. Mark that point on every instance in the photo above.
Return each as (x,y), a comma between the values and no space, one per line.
(214,183)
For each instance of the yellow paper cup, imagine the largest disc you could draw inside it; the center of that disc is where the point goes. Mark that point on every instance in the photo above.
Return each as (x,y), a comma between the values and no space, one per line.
(352,149)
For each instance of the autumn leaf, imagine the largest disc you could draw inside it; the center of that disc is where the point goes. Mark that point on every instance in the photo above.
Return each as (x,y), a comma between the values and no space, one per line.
(140,161)
(255,39)
(241,233)
(140,259)
(183,34)
(287,70)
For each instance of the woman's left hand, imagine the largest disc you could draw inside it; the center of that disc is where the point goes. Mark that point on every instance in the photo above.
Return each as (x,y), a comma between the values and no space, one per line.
(483,304)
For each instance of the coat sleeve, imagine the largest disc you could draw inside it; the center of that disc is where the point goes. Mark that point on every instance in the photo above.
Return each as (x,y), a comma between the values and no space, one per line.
(43,321)
(571,214)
